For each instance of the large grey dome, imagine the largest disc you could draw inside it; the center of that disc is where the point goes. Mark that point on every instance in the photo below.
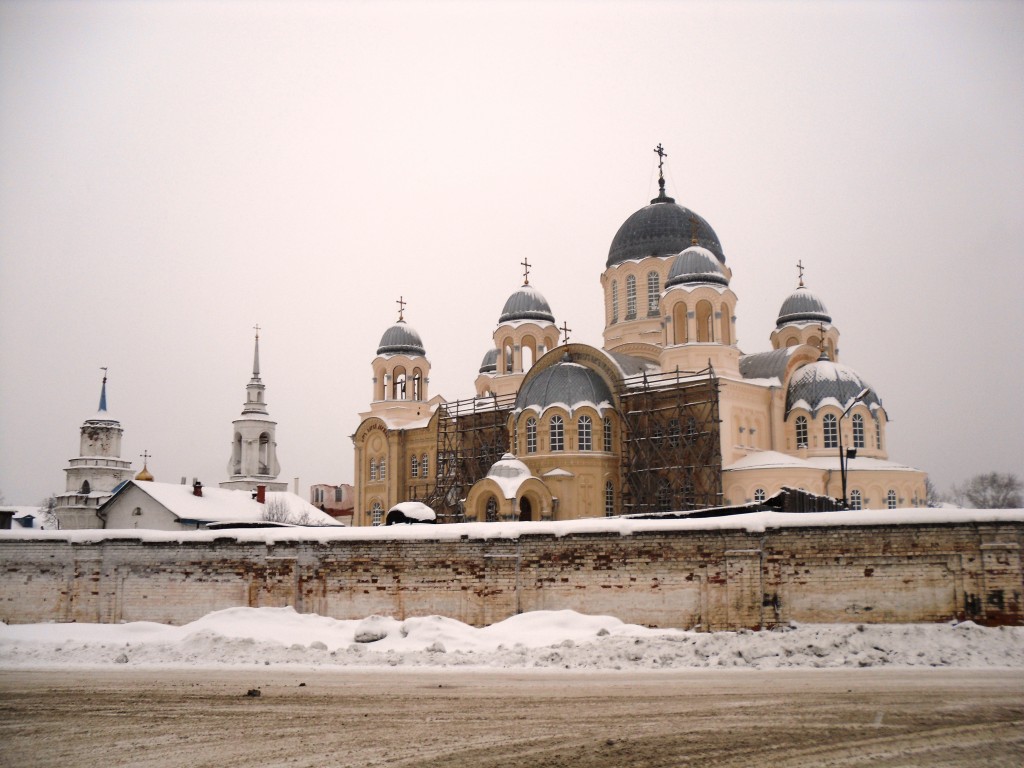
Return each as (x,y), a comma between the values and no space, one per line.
(802,306)
(565,382)
(527,303)
(401,339)
(663,228)
(827,383)
(696,265)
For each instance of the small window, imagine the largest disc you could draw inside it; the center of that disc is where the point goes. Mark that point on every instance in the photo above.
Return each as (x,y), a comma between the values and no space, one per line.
(858,431)
(373,470)
(608,435)
(801,431)
(631,297)
(583,433)
(557,433)
(424,466)
(615,301)
(691,429)
(890,499)
(609,499)
(653,293)
(337,495)
(531,435)
(855,500)
(673,433)
(491,514)
(664,496)
(878,435)
(376,513)
(760,495)
(414,469)
(830,431)
(383,468)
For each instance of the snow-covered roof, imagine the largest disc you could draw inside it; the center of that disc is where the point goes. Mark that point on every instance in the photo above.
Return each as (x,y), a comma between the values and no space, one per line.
(766,365)
(778,460)
(414,510)
(226,505)
(509,473)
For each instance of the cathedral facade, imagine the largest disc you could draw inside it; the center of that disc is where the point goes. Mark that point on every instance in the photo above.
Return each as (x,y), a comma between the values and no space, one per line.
(668,414)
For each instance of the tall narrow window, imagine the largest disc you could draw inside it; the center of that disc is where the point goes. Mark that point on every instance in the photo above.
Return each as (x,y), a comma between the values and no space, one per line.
(890,499)
(653,293)
(557,433)
(858,431)
(491,513)
(615,301)
(673,433)
(424,466)
(531,435)
(855,500)
(376,513)
(417,390)
(830,431)
(373,470)
(583,433)
(801,431)
(691,429)
(607,435)
(664,496)
(415,468)
(631,297)
(878,434)
(609,499)
(705,321)
(680,324)
(383,468)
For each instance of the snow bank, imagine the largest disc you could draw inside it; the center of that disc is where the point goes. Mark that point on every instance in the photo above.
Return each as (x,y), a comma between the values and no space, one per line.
(541,639)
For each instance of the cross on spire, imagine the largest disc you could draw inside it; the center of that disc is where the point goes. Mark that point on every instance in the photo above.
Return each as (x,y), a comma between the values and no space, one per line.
(257,329)
(401,309)
(821,342)
(103,389)
(800,270)
(565,329)
(693,229)
(662,154)
(146,456)
(526,270)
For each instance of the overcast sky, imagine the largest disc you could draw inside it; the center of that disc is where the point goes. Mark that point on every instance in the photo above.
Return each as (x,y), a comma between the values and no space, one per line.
(173,173)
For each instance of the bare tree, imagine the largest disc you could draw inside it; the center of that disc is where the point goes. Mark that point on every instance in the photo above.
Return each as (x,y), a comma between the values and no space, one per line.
(48,512)
(276,511)
(933,497)
(992,490)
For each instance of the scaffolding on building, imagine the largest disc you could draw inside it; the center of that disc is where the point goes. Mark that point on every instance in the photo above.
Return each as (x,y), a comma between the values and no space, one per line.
(671,449)
(472,434)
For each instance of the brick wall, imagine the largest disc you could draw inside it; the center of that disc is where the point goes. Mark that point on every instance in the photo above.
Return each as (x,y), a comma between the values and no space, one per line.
(707,579)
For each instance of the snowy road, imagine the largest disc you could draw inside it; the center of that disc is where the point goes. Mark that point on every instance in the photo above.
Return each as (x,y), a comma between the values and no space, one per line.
(308,717)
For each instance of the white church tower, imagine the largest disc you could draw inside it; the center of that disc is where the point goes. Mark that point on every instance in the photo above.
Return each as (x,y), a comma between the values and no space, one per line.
(254,446)
(96,472)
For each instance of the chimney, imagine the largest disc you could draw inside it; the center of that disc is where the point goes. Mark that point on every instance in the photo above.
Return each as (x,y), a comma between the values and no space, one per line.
(261,494)
(197,488)
(296,486)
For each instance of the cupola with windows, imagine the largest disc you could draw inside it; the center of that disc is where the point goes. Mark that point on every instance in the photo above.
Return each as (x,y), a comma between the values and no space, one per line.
(641,260)
(804,319)
(401,368)
(525,332)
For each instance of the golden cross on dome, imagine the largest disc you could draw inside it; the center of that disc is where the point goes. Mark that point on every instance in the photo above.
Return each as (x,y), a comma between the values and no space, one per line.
(565,329)
(401,308)
(146,455)
(526,270)
(800,269)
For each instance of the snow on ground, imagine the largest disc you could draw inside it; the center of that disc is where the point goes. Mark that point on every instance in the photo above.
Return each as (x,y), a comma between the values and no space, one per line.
(541,639)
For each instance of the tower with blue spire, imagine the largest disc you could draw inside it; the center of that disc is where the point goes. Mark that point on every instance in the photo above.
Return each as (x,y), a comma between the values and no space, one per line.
(97,471)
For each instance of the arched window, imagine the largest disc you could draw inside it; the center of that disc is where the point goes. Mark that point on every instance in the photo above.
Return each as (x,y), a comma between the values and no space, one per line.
(400,393)
(653,293)
(373,470)
(383,468)
(509,359)
(664,496)
(830,431)
(705,321)
(531,435)
(691,429)
(415,469)
(631,297)
(855,500)
(615,301)
(607,435)
(657,433)
(890,499)
(583,430)
(609,499)
(858,431)
(680,326)
(376,513)
(760,495)
(528,348)
(491,513)
(424,466)
(417,385)
(726,322)
(264,468)
(673,433)
(556,433)
(801,431)
(86,488)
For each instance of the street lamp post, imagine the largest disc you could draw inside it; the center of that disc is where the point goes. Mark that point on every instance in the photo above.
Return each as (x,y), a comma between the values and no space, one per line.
(850,453)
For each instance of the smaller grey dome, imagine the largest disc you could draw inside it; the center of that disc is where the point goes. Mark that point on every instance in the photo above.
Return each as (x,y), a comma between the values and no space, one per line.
(827,383)
(566,382)
(802,306)
(490,362)
(401,339)
(696,265)
(526,303)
